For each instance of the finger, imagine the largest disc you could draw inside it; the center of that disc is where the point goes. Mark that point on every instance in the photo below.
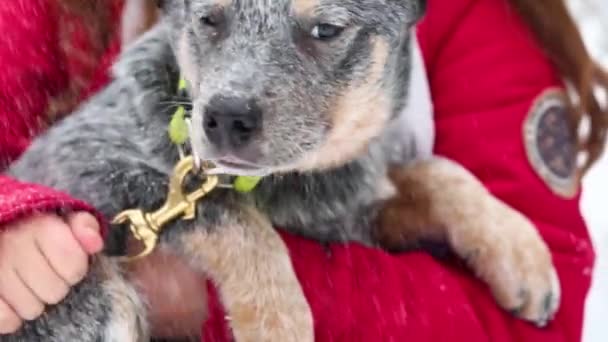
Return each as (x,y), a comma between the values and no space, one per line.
(9,321)
(59,246)
(86,231)
(19,297)
(40,277)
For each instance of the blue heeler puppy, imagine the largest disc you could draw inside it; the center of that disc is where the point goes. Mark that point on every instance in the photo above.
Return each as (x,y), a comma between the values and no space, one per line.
(310,94)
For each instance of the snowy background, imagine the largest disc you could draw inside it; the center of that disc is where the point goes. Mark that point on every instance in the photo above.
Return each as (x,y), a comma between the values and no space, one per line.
(593,20)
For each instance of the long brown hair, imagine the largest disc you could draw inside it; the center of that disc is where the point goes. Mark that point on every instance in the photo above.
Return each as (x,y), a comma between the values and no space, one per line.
(558,34)
(96,15)
(74,16)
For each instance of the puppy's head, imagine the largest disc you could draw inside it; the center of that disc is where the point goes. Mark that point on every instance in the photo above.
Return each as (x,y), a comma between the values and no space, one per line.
(284,85)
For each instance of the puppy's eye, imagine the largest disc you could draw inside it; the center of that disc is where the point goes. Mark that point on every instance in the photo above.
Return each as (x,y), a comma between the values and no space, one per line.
(213,18)
(326,31)
(159,3)
(209,21)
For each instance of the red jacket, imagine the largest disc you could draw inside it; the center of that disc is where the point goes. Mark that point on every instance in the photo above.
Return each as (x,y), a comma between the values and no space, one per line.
(485,73)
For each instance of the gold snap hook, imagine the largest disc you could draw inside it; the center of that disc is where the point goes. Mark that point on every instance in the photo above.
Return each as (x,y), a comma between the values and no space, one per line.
(145,227)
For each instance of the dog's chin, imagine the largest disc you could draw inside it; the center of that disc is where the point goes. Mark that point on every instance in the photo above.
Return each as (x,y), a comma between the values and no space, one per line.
(237,168)
(219,169)
(229,164)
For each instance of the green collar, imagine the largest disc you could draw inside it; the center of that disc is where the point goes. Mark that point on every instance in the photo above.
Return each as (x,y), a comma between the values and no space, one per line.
(179,134)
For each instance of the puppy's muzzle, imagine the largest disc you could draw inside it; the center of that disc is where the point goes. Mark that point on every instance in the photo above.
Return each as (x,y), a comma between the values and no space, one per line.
(232,123)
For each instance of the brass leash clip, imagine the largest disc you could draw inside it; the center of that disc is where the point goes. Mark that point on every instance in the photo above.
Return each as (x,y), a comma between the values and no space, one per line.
(146,226)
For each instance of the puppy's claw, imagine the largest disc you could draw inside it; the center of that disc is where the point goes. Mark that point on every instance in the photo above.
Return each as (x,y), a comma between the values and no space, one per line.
(542,324)
(548,311)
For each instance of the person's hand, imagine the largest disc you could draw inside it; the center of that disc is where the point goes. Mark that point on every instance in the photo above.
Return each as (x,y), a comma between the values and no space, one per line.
(41,257)
(176,295)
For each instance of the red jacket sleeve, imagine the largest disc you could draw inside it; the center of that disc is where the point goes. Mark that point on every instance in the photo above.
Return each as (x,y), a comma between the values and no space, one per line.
(18,200)
(485,71)
(32,71)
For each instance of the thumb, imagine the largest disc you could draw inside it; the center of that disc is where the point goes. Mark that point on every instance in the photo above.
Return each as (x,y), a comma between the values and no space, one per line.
(86,231)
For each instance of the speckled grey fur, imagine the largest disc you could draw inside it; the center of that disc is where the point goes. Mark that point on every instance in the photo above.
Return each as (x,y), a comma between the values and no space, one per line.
(115,154)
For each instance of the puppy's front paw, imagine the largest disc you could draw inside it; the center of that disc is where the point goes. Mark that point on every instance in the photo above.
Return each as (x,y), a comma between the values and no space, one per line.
(512,258)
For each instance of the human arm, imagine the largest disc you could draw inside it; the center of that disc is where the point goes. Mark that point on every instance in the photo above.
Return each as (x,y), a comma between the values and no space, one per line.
(32,75)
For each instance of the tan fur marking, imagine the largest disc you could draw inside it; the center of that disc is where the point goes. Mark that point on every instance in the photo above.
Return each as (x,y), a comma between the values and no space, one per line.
(440,200)
(252,269)
(138,16)
(187,66)
(304,7)
(223,3)
(358,115)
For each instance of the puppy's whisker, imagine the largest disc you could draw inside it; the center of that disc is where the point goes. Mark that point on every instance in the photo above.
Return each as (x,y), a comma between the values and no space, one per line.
(177,103)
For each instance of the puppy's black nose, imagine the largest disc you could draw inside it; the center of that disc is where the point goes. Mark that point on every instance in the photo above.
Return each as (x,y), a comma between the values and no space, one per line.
(232,122)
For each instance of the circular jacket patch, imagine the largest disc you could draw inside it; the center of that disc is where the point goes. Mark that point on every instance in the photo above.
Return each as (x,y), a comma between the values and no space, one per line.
(550,144)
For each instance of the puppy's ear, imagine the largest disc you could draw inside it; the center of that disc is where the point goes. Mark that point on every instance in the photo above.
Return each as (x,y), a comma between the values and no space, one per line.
(414,10)
(419,7)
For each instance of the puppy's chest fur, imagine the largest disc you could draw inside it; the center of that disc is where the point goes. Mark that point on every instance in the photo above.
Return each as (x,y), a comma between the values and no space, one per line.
(335,205)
